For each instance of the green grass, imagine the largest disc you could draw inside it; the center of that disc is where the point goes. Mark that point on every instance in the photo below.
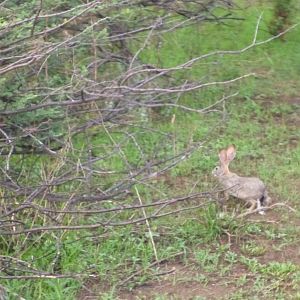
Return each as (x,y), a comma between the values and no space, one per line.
(258,121)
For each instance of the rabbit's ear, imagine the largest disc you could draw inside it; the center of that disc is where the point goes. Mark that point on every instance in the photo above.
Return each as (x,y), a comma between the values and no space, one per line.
(230,153)
(224,162)
(223,156)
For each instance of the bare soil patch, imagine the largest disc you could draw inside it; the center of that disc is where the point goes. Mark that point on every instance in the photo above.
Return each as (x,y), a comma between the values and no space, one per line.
(290,253)
(181,283)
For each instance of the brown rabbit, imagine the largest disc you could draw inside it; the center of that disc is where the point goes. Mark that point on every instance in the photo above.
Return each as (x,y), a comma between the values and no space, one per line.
(250,189)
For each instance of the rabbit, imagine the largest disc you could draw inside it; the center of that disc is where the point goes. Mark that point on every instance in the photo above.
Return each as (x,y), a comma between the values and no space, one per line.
(250,189)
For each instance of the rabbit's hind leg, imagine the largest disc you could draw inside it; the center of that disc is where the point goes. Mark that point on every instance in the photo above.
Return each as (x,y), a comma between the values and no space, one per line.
(259,207)
(252,203)
(255,204)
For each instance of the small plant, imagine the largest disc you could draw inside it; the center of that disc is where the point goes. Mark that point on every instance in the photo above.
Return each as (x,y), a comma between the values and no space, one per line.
(280,270)
(207,259)
(251,228)
(253,249)
(259,283)
(273,234)
(231,257)
(251,263)
(108,296)
(160,297)
(239,295)
(202,279)
(242,280)
(296,280)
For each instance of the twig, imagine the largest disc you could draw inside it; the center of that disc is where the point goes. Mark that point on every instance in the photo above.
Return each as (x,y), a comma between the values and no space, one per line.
(148,267)
(102,224)
(9,142)
(280,204)
(147,223)
(47,276)
(36,18)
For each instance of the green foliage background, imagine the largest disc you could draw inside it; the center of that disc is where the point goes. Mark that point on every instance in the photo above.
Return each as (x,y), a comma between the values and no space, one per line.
(261,120)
